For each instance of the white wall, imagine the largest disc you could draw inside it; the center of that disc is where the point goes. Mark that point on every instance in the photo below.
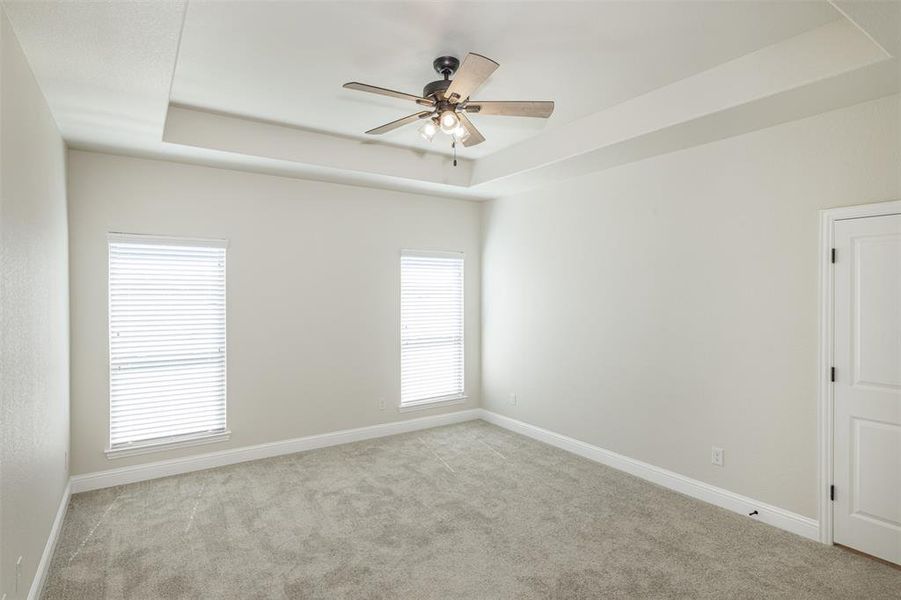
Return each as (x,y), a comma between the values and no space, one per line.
(667,306)
(313,292)
(34,318)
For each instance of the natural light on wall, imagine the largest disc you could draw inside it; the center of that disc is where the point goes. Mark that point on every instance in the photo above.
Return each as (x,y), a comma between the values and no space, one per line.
(167,341)
(431,315)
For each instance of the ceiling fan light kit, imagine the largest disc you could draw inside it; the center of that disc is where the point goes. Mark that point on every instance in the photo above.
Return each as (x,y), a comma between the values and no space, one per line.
(428,130)
(448,101)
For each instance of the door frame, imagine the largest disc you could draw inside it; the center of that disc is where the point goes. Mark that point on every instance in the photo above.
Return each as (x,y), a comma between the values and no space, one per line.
(825,399)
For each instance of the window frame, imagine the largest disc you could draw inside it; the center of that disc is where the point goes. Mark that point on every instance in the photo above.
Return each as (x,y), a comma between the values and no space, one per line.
(449,399)
(180,440)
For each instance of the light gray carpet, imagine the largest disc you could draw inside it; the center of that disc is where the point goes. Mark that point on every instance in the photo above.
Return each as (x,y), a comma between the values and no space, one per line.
(465,511)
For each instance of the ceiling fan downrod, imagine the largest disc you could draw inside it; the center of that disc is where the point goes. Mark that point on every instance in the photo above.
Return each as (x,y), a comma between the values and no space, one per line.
(445,66)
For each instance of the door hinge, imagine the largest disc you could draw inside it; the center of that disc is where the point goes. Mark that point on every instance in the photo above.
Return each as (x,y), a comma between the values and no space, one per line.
(832,374)
(832,492)
(833,255)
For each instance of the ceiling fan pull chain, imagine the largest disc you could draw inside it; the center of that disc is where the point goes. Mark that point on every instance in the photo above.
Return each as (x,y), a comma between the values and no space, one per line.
(454,146)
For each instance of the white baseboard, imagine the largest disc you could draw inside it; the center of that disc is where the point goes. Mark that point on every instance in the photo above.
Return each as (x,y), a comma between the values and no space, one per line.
(772,515)
(198,462)
(40,574)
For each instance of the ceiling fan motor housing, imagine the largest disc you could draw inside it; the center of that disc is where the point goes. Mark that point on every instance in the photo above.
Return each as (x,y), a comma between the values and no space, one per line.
(435,88)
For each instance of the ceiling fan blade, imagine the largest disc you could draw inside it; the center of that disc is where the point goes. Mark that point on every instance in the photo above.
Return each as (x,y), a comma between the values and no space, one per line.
(475,136)
(511,109)
(471,75)
(399,123)
(362,87)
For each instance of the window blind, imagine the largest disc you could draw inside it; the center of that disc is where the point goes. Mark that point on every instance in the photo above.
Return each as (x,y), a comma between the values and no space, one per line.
(167,339)
(431,315)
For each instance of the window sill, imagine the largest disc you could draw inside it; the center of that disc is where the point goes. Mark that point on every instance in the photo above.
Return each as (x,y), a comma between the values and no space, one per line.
(432,403)
(170,444)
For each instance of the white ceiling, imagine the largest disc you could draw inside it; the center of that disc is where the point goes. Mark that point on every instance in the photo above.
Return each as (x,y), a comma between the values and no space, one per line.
(104,67)
(286,62)
(110,70)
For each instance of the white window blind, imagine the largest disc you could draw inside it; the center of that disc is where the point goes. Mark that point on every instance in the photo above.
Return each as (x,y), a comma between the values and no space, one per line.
(167,340)
(431,316)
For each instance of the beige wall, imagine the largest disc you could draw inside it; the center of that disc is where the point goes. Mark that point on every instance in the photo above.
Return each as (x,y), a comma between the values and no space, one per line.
(34,318)
(313,292)
(667,306)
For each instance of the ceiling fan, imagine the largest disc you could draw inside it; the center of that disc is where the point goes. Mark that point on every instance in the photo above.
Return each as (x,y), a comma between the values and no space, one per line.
(448,102)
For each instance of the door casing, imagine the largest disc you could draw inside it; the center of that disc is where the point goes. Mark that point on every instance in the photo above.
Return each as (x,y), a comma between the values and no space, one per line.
(825,399)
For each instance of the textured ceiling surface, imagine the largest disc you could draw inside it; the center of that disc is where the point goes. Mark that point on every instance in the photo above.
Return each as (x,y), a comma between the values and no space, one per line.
(104,67)
(107,67)
(286,62)
(257,85)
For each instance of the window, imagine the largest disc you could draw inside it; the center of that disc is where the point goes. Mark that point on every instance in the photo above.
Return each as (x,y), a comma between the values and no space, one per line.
(431,327)
(167,341)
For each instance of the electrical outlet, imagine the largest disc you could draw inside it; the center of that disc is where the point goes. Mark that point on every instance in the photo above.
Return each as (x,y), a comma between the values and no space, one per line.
(716,456)
(381,403)
(513,399)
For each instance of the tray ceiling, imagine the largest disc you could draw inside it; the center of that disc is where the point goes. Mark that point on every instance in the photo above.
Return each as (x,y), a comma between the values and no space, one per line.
(258,85)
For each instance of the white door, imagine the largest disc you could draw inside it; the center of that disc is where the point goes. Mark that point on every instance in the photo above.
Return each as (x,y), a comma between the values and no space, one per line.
(867,388)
